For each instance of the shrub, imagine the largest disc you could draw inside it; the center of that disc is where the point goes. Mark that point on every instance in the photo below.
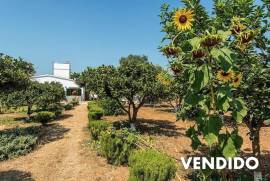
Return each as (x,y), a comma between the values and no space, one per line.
(95,115)
(117,145)
(93,106)
(44,117)
(56,108)
(68,106)
(110,107)
(18,141)
(150,165)
(74,102)
(96,127)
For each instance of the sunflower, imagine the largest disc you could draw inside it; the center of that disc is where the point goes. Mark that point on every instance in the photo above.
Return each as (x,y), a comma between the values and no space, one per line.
(170,51)
(225,76)
(183,19)
(237,80)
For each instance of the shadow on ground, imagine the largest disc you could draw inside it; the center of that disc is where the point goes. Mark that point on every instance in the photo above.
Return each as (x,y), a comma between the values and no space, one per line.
(51,132)
(15,175)
(159,127)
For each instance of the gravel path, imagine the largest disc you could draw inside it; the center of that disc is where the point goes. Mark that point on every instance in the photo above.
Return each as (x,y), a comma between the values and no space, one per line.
(64,155)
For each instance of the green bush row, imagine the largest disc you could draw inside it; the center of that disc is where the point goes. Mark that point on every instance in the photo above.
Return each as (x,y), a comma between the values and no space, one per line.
(96,127)
(117,145)
(16,142)
(151,165)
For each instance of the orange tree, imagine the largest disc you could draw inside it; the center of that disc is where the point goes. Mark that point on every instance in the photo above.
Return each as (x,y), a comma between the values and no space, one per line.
(198,48)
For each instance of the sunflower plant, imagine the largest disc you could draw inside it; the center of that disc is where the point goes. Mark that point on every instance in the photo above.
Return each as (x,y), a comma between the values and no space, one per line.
(208,63)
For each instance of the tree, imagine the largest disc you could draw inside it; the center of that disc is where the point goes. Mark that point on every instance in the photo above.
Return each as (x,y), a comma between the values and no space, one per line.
(14,73)
(130,84)
(27,96)
(51,93)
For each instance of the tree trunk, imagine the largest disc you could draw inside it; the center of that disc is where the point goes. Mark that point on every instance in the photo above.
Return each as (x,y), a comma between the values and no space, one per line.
(29,110)
(256,148)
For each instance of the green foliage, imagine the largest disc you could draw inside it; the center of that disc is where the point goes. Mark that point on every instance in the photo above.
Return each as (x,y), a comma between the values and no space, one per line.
(134,80)
(44,117)
(117,145)
(51,93)
(150,165)
(95,115)
(56,108)
(96,127)
(16,142)
(110,107)
(14,73)
(68,106)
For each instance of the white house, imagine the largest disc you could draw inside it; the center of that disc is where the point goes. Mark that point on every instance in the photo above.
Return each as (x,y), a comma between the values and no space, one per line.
(61,74)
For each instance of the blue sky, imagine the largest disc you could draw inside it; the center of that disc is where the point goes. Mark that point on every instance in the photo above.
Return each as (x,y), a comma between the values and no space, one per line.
(85,32)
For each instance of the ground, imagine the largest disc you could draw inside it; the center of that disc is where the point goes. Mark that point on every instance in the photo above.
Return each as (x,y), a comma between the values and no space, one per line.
(65,153)
(64,156)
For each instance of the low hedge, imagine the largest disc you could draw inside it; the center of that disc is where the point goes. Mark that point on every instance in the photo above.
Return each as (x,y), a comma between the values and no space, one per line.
(56,108)
(151,165)
(117,145)
(44,117)
(95,115)
(96,127)
(17,141)
(68,106)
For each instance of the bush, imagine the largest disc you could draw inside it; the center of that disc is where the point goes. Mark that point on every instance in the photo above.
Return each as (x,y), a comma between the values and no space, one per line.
(93,106)
(96,127)
(150,165)
(117,145)
(68,106)
(95,115)
(56,108)
(16,142)
(110,107)
(44,117)
(74,102)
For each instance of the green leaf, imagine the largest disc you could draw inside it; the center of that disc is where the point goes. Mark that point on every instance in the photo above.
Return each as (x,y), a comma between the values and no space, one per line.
(229,149)
(212,128)
(224,98)
(191,132)
(195,42)
(223,57)
(193,98)
(211,139)
(201,78)
(240,110)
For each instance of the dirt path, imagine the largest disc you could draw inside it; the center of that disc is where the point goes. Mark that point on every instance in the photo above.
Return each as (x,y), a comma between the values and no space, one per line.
(64,157)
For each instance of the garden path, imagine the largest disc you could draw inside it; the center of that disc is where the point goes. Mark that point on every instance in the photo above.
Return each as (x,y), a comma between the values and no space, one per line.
(65,156)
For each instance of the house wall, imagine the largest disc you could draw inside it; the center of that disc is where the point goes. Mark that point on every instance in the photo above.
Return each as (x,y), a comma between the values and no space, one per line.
(66,83)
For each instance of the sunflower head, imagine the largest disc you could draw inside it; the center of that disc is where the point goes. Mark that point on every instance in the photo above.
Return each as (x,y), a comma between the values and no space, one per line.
(183,19)
(211,41)
(237,26)
(199,53)
(225,76)
(237,80)
(176,68)
(163,79)
(247,36)
(170,51)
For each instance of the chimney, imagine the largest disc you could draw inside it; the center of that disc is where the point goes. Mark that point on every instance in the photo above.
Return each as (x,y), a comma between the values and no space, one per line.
(62,70)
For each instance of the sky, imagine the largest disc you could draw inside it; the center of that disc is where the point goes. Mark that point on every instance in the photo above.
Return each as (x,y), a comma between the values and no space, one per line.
(84,32)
